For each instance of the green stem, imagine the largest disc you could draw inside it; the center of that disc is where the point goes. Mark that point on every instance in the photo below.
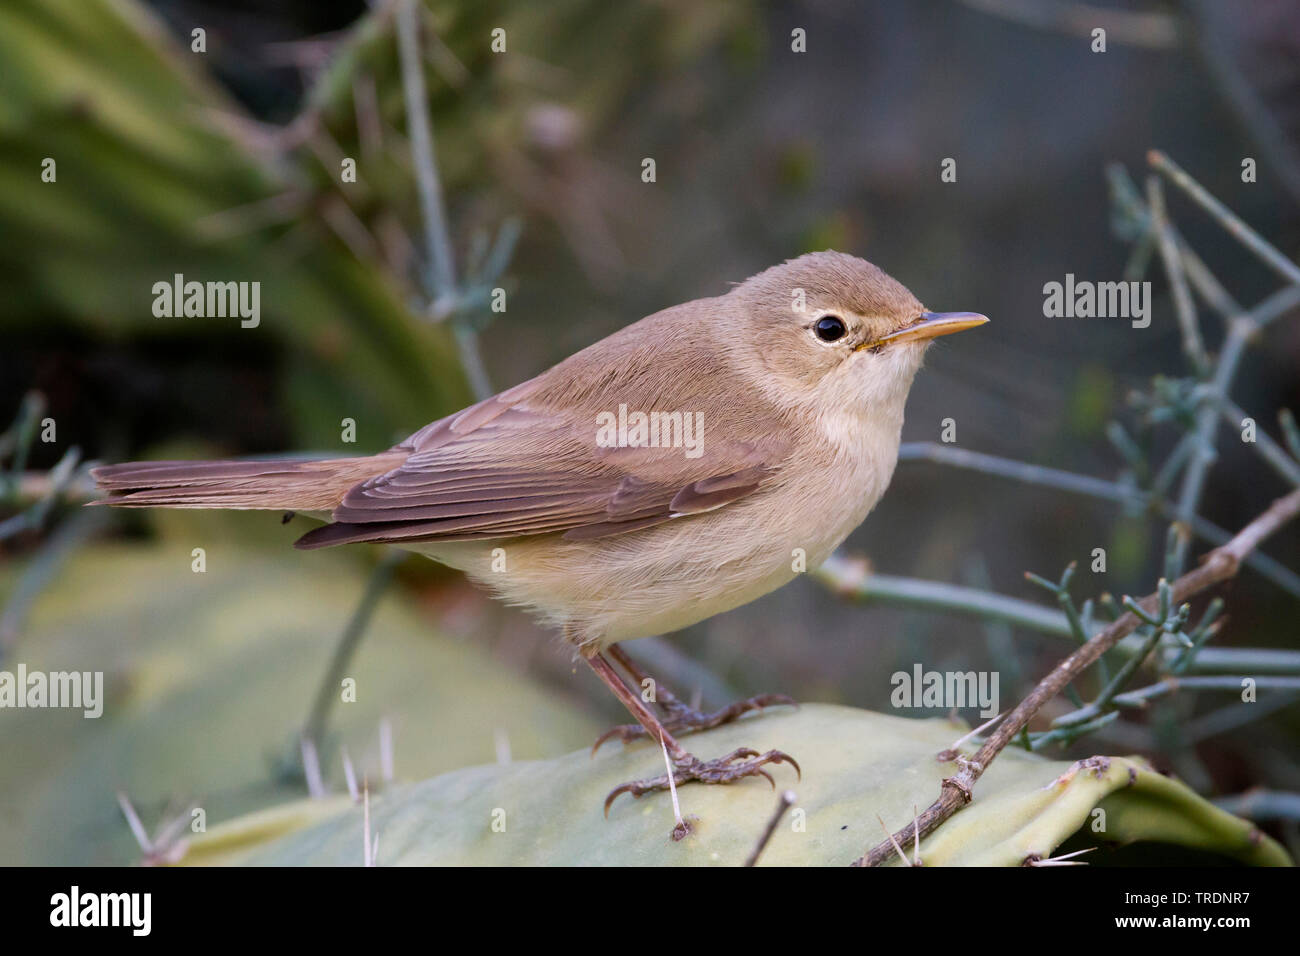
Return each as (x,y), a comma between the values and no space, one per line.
(1280,575)
(1230,683)
(1248,237)
(849,579)
(328,692)
(1272,453)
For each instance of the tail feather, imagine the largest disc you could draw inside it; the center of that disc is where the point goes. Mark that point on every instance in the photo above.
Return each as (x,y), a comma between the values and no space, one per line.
(287,484)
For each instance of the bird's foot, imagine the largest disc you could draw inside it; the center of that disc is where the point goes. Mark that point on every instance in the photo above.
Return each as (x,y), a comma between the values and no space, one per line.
(687,768)
(683,719)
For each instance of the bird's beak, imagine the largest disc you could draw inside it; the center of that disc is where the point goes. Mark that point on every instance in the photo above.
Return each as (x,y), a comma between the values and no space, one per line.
(930,325)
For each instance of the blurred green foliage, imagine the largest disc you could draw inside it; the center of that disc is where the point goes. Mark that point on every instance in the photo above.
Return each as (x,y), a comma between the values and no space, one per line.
(147,167)
(159,172)
(208,682)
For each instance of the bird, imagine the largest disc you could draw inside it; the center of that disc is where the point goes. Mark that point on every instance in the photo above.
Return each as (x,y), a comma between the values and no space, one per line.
(681,467)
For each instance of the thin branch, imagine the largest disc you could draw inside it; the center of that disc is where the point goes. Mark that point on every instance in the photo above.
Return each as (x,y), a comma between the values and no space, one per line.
(1227,719)
(445,297)
(61,476)
(48,561)
(328,692)
(1230,82)
(1261,805)
(1227,682)
(1290,433)
(1268,449)
(783,803)
(1241,329)
(1242,325)
(441,265)
(472,359)
(1247,236)
(1100,488)
(851,578)
(1184,307)
(1152,30)
(1020,471)
(1219,565)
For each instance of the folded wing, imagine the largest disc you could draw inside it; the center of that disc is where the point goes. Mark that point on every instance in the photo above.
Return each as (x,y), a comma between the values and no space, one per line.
(503,468)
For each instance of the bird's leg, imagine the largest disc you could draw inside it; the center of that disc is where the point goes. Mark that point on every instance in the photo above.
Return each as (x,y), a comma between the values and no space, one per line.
(681,717)
(650,724)
(686,766)
(665,698)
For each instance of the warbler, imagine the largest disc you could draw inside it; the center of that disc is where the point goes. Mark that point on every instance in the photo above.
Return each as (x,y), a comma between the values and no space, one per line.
(681,467)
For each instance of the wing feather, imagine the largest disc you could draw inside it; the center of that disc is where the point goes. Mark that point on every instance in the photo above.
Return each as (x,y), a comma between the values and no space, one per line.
(527,462)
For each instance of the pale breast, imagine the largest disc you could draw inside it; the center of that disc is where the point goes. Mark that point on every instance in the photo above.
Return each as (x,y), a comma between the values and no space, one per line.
(669,576)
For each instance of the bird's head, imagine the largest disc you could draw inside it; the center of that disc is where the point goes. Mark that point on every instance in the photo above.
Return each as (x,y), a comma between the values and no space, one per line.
(832,328)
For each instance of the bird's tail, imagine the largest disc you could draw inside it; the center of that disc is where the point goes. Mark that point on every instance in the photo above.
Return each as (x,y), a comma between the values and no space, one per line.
(286,484)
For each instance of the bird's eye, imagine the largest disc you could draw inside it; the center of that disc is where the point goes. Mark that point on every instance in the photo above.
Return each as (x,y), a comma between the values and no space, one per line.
(829,328)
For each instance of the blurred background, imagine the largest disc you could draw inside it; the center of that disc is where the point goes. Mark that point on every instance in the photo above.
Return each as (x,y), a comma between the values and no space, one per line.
(225,164)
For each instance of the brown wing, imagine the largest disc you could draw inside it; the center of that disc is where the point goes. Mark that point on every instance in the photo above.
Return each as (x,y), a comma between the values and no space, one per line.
(500,469)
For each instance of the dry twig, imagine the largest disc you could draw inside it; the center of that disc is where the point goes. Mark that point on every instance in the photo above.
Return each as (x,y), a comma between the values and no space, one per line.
(1219,565)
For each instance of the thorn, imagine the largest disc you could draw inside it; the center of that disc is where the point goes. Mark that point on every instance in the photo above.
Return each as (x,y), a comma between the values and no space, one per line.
(682,828)
(1066,856)
(133,821)
(1064,860)
(1051,863)
(311,768)
(501,743)
(901,855)
(350,775)
(367,859)
(164,846)
(916,837)
(165,841)
(951,754)
(386,749)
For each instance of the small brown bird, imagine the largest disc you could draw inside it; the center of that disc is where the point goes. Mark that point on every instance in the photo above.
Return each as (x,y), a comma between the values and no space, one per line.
(667,473)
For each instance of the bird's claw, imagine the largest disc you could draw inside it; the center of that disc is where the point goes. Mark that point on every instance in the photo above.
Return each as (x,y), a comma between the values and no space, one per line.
(686,720)
(688,768)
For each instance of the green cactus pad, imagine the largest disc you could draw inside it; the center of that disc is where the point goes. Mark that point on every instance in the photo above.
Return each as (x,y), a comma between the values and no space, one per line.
(856,765)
